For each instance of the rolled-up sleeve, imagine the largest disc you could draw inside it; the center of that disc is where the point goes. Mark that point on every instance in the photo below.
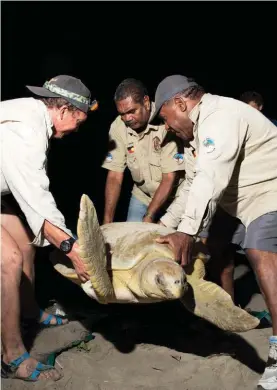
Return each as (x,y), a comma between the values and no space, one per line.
(23,167)
(220,137)
(116,159)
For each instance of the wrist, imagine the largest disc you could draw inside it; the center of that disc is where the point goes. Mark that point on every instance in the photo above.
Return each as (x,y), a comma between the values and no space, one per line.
(149,214)
(66,245)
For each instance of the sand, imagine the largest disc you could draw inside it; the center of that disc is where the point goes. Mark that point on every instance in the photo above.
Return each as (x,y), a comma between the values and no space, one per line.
(157,347)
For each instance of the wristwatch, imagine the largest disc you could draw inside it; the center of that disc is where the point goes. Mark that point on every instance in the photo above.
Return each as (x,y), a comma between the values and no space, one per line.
(147,214)
(67,245)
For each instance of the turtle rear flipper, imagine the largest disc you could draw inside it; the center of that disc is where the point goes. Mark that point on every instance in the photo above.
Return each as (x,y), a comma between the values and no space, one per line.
(209,301)
(93,250)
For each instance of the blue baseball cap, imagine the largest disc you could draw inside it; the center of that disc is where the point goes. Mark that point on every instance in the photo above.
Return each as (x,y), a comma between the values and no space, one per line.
(169,87)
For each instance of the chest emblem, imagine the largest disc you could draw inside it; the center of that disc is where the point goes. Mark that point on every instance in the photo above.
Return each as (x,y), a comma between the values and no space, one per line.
(130,148)
(156,144)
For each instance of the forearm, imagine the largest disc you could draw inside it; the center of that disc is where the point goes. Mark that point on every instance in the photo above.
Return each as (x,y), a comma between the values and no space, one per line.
(112,193)
(53,234)
(162,193)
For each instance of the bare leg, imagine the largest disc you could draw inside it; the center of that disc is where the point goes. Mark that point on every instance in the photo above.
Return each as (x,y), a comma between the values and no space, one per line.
(221,267)
(227,274)
(23,237)
(265,267)
(11,269)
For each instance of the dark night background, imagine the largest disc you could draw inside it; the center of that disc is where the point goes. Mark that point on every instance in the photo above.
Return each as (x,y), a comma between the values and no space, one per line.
(228,47)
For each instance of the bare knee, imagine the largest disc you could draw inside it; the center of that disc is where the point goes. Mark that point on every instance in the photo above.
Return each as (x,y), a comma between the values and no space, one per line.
(261,260)
(28,252)
(12,260)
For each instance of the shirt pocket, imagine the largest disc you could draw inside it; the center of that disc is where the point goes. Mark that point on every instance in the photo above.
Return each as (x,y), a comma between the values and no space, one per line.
(134,168)
(155,168)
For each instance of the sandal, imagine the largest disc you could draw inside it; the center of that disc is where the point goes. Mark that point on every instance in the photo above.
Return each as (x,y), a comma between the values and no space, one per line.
(264,316)
(46,322)
(9,370)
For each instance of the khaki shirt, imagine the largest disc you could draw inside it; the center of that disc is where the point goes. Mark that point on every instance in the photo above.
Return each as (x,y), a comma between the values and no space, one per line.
(234,164)
(26,128)
(146,156)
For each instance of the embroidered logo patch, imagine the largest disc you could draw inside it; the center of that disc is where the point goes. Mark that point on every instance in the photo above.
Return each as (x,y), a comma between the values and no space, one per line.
(109,157)
(130,148)
(179,157)
(209,144)
(157,144)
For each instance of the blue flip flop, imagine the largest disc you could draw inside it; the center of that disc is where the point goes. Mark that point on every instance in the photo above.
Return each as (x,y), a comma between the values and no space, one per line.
(262,315)
(46,322)
(9,370)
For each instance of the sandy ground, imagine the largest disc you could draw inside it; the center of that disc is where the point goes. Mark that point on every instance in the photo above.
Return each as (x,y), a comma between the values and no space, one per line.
(155,347)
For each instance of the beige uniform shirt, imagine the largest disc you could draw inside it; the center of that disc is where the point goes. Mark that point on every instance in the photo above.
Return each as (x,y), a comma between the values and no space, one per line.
(146,156)
(234,164)
(25,132)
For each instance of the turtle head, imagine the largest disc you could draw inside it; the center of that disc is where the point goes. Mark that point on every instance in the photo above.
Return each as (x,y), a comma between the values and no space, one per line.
(164,279)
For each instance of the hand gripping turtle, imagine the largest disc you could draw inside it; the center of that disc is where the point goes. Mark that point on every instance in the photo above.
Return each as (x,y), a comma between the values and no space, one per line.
(127,265)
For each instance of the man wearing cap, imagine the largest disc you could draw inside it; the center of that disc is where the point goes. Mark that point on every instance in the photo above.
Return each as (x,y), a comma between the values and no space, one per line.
(235,166)
(152,158)
(27,124)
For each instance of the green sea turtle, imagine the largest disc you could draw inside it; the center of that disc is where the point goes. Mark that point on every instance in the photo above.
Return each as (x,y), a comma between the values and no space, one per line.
(127,265)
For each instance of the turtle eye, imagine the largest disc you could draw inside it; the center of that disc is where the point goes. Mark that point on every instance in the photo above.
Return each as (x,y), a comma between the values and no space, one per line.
(159,279)
(177,281)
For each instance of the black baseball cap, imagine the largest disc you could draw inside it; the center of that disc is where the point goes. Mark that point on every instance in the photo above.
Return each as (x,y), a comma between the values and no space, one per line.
(69,88)
(168,88)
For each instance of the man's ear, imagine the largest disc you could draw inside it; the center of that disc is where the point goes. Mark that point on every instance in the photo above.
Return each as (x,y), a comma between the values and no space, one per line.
(146,102)
(63,111)
(181,103)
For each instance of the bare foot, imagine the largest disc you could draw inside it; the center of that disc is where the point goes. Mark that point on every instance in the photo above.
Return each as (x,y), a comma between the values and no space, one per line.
(28,366)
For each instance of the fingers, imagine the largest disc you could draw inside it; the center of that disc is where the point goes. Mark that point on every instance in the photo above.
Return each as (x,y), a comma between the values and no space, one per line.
(83,275)
(162,240)
(184,259)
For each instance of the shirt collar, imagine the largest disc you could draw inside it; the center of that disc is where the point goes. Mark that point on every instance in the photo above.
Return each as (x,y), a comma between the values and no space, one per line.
(48,120)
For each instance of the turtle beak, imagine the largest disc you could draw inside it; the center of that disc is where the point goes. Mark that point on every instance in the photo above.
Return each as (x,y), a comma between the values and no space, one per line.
(173,288)
(180,287)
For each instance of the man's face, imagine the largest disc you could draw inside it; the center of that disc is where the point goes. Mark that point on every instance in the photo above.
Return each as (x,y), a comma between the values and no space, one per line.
(255,105)
(176,118)
(134,115)
(67,121)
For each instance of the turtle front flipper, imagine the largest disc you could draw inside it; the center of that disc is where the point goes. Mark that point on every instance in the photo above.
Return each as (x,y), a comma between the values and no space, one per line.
(93,250)
(209,301)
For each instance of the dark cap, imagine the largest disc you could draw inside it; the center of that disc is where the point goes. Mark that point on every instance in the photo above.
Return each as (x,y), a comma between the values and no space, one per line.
(169,87)
(69,88)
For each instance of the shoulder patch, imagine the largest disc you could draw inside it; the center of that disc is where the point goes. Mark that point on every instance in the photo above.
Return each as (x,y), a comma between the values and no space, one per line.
(109,157)
(179,157)
(209,144)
